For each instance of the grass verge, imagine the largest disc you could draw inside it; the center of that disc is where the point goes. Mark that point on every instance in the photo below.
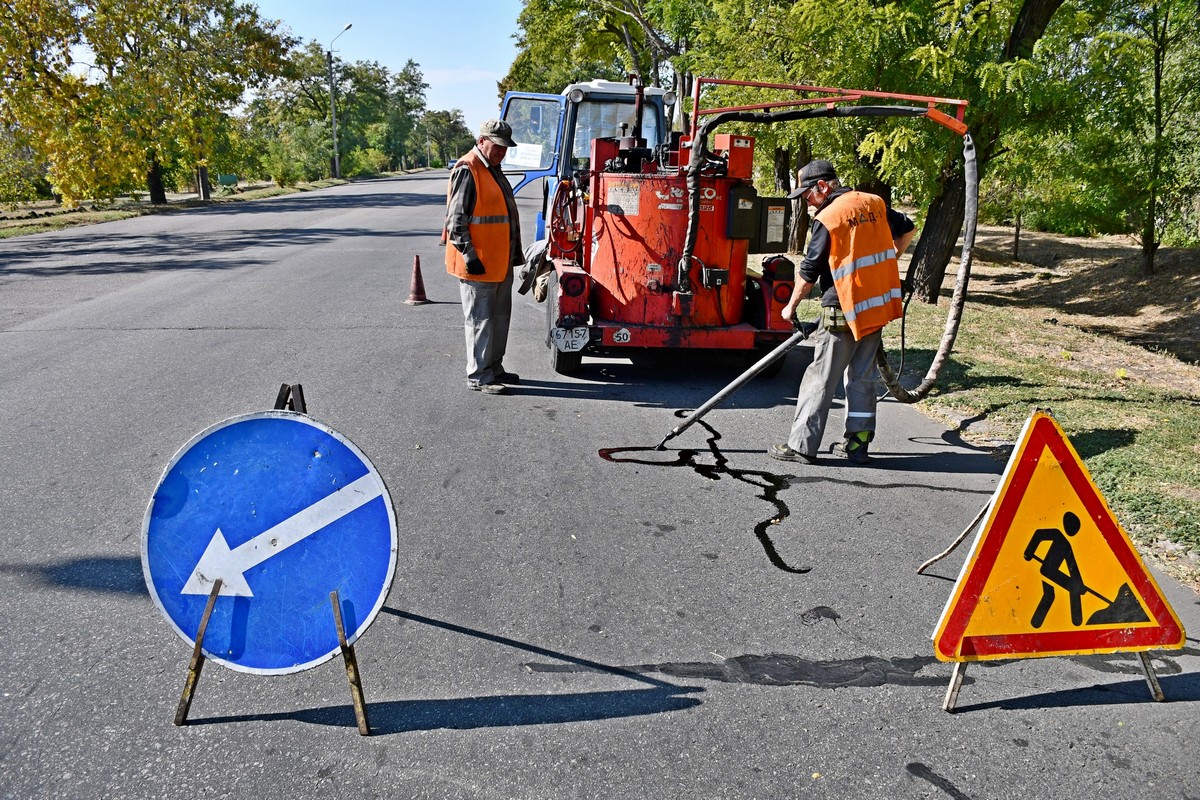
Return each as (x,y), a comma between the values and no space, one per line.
(1132,415)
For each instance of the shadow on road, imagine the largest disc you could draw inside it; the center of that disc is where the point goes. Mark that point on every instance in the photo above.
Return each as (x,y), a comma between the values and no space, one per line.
(501,711)
(781,669)
(325,201)
(1176,688)
(96,254)
(405,716)
(98,574)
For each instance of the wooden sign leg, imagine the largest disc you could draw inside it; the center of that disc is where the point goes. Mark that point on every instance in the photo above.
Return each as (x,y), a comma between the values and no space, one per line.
(197,662)
(960,671)
(291,398)
(356,690)
(1151,677)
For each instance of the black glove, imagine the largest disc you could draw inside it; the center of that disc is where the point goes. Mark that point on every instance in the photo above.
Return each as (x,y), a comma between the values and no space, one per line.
(474,266)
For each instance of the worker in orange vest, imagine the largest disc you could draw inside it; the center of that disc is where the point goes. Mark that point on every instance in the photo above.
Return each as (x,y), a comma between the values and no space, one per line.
(483,245)
(853,247)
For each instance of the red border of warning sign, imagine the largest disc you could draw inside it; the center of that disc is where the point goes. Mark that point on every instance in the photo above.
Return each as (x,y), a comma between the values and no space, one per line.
(1044,434)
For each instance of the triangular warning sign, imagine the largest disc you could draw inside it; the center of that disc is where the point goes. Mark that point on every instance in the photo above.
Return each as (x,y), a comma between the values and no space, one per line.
(1052,572)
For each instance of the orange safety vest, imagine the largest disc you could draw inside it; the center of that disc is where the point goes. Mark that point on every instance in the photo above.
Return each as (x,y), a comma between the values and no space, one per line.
(862,258)
(489,226)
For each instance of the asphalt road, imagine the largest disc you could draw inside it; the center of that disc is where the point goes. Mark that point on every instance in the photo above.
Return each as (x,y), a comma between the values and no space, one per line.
(704,622)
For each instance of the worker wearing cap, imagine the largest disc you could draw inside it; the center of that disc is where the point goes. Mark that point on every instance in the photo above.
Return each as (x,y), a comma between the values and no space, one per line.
(484,244)
(853,247)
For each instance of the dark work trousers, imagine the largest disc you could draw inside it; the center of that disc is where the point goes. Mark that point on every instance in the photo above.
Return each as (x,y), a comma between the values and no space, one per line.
(836,356)
(487,311)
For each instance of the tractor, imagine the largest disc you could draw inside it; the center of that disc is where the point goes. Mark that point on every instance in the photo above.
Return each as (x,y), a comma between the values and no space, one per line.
(647,231)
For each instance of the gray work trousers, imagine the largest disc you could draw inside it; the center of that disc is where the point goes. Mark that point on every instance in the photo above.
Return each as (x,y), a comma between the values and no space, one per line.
(487,311)
(836,355)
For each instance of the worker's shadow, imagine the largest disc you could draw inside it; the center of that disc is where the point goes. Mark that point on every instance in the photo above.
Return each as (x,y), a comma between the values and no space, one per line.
(497,711)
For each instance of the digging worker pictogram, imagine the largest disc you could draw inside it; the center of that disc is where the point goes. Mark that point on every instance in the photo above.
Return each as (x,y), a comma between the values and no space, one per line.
(1058,569)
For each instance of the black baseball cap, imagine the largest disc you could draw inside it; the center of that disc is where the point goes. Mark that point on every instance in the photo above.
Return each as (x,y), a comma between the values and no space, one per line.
(819,170)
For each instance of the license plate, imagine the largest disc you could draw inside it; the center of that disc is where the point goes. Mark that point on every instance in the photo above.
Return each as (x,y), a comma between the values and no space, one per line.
(571,340)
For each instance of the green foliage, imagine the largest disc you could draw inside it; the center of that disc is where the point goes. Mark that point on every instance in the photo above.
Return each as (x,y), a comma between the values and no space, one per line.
(376,111)
(440,136)
(159,79)
(365,161)
(560,42)
(22,174)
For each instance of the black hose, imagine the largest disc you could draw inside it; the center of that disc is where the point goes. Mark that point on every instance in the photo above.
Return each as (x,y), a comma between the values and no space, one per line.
(958,299)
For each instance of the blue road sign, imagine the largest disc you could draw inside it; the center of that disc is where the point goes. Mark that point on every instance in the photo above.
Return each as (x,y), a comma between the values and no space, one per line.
(284,510)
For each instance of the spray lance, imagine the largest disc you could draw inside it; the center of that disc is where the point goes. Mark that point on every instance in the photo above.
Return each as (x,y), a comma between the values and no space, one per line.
(803,331)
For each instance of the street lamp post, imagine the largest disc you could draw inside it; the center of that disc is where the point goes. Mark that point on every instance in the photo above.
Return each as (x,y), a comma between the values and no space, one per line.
(337,161)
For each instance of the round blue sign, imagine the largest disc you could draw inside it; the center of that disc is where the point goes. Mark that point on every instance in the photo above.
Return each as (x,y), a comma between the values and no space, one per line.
(284,511)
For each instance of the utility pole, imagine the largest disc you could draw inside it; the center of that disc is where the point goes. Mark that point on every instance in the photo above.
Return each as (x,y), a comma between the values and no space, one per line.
(337,161)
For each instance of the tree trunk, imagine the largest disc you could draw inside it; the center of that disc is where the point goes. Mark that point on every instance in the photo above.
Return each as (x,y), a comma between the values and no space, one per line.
(938,240)
(1016,247)
(783,170)
(798,236)
(878,188)
(683,90)
(945,218)
(154,182)
(1149,237)
(203,186)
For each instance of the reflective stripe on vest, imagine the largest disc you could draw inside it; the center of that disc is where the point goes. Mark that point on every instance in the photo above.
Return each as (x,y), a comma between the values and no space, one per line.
(489,227)
(862,260)
(873,302)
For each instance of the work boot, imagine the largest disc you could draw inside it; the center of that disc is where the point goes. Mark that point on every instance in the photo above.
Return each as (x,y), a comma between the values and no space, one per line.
(784,453)
(487,388)
(854,447)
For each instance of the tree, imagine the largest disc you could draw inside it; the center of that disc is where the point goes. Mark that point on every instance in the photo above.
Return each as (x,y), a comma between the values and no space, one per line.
(1005,95)
(406,102)
(22,175)
(376,110)
(152,97)
(442,132)
(560,42)
(1160,37)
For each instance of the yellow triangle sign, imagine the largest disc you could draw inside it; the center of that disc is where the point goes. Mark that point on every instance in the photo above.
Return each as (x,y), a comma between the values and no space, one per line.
(1052,572)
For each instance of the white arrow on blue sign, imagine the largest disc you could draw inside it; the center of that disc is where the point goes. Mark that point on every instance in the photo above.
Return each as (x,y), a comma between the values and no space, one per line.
(284,510)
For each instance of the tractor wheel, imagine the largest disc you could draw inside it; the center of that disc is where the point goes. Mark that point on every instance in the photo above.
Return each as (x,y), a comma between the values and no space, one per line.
(772,369)
(560,362)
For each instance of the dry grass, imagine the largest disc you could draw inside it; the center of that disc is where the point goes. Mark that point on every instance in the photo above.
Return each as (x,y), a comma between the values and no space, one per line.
(1074,325)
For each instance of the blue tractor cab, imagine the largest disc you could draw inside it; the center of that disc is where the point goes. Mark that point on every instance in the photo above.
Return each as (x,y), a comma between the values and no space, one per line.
(554,132)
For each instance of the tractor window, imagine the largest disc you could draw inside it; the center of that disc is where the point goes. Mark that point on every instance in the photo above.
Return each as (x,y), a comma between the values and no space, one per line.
(535,126)
(600,119)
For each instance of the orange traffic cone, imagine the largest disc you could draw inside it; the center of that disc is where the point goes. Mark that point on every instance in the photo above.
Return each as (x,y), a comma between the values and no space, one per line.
(416,292)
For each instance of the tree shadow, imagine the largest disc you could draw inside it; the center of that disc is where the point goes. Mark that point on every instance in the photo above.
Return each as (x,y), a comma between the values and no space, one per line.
(1098,296)
(131,253)
(1101,440)
(122,575)
(325,201)
(782,669)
